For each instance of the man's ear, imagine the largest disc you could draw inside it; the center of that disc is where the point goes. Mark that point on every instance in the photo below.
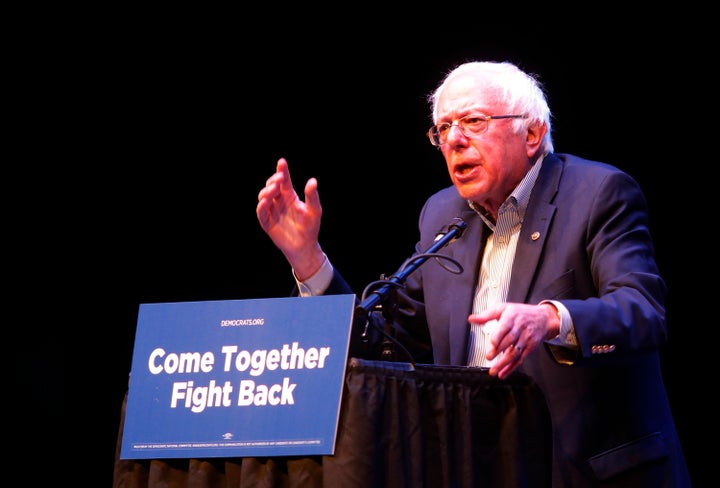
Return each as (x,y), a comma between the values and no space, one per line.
(535,134)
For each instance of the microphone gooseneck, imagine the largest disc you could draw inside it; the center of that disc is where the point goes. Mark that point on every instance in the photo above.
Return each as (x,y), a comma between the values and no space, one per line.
(447,234)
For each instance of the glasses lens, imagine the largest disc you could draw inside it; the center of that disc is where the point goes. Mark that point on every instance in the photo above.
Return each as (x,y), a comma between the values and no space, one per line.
(470,125)
(434,135)
(473,124)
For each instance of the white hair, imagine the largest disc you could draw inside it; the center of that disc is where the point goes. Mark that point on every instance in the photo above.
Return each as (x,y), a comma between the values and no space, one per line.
(508,85)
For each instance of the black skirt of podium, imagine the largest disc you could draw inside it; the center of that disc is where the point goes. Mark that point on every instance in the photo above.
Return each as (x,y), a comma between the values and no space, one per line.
(400,426)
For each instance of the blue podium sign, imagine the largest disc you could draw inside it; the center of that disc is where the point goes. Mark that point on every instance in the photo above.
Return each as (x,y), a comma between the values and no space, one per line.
(237,378)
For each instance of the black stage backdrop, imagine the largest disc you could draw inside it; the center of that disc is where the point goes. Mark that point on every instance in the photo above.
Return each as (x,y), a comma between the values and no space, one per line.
(171,124)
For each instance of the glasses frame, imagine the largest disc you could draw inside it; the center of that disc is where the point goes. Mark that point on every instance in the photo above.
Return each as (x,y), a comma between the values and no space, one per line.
(433,132)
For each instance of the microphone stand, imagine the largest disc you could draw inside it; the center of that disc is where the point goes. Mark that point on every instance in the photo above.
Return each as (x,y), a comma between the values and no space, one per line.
(384,296)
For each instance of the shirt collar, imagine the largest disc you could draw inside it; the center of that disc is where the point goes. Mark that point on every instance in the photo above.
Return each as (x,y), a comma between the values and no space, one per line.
(519,198)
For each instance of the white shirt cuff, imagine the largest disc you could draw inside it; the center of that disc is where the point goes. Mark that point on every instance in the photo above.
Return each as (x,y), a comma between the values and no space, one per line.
(566,337)
(317,283)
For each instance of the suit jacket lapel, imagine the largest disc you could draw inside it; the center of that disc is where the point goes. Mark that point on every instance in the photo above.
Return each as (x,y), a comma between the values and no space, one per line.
(469,256)
(535,229)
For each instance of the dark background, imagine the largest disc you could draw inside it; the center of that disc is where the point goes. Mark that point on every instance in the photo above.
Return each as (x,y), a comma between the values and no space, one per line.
(177,122)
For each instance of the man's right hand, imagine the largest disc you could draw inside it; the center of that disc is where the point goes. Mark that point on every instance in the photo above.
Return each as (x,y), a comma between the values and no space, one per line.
(292,225)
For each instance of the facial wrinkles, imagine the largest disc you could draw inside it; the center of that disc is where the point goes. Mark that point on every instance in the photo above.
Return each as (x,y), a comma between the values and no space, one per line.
(479,170)
(472,162)
(486,168)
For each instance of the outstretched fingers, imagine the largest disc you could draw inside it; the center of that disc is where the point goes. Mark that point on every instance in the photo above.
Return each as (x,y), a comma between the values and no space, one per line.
(312,197)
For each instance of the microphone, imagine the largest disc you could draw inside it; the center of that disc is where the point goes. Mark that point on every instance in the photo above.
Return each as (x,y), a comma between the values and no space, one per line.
(457,226)
(448,233)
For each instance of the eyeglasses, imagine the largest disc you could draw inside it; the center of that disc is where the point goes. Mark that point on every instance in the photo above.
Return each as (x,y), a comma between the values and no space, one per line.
(471,125)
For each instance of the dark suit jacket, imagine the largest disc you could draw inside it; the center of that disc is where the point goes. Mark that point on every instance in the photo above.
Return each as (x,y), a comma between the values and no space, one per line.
(584,241)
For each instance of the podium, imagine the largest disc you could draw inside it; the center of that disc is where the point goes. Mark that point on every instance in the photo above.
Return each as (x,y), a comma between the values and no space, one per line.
(400,426)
